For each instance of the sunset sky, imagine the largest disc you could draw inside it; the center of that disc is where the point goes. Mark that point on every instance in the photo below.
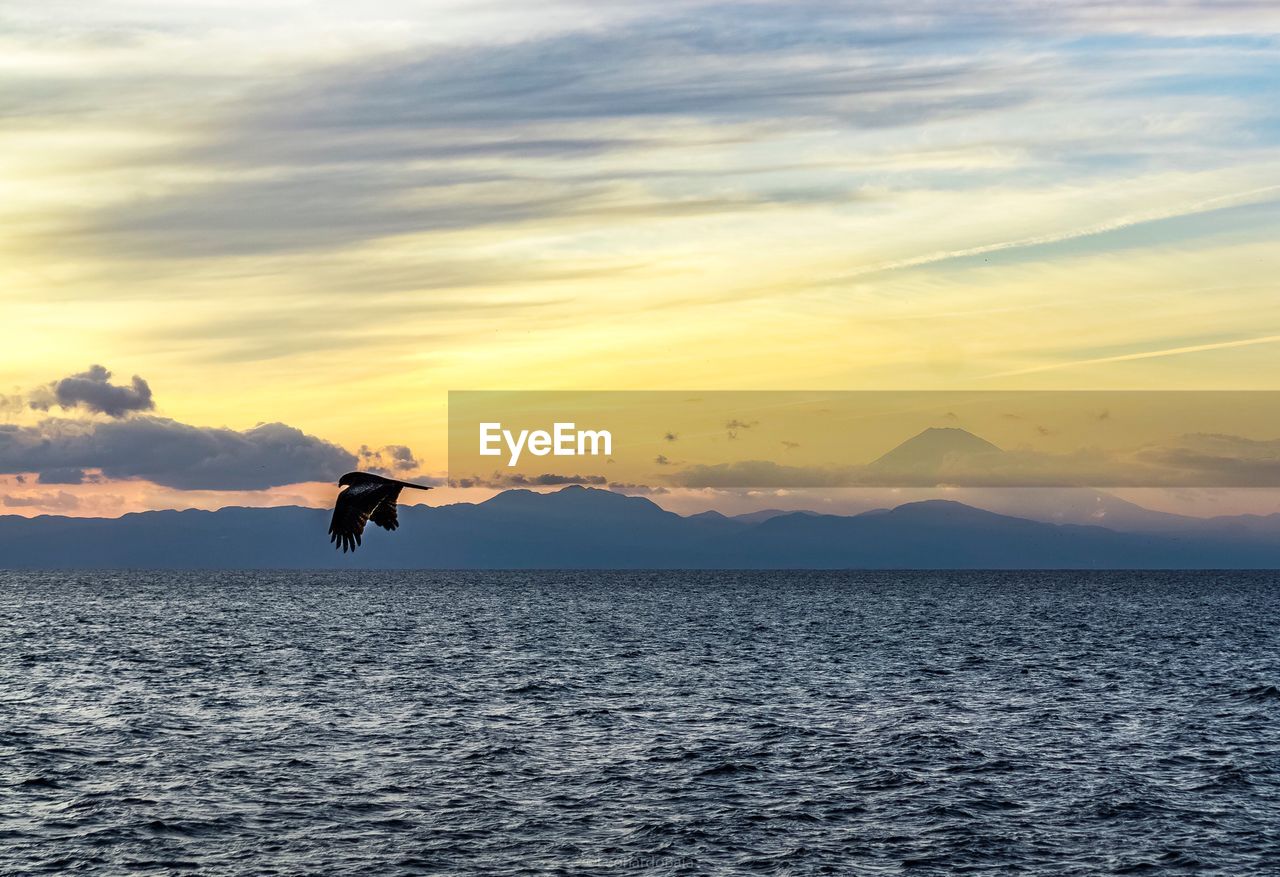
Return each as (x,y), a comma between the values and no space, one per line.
(327,215)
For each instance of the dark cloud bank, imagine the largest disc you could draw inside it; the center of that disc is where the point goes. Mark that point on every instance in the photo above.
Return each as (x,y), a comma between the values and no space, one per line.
(169,453)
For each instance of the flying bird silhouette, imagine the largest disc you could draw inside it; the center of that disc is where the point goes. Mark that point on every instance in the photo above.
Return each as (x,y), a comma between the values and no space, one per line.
(367,497)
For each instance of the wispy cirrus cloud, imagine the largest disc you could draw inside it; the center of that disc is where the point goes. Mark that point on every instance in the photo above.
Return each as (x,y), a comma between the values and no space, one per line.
(440,137)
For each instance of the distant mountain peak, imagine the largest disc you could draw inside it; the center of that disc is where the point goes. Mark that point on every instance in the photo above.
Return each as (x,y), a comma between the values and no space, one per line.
(934,447)
(571,499)
(945,509)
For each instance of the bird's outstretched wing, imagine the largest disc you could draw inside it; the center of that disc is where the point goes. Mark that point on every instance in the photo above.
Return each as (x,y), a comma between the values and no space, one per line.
(354,507)
(384,514)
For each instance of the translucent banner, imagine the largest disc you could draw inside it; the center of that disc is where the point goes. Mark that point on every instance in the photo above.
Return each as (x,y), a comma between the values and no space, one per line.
(777,439)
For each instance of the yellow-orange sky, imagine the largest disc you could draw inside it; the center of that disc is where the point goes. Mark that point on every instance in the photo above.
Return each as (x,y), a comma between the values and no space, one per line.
(328,215)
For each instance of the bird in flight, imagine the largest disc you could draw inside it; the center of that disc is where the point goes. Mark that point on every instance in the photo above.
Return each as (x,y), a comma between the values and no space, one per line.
(367,497)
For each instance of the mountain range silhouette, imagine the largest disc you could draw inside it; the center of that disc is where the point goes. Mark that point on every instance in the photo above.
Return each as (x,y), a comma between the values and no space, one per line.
(579,527)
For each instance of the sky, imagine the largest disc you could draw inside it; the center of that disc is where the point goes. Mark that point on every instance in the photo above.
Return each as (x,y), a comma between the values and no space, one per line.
(251,245)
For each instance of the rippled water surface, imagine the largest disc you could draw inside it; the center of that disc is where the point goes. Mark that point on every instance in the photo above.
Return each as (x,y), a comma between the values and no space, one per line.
(504,723)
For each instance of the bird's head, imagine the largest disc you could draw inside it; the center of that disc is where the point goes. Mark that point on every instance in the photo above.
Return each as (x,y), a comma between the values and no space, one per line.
(349,479)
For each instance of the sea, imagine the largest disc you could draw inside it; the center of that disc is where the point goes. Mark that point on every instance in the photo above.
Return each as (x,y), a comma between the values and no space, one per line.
(511,723)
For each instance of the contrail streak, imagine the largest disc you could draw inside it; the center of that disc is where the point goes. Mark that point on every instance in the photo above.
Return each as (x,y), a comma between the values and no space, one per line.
(1234,199)
(1148,354)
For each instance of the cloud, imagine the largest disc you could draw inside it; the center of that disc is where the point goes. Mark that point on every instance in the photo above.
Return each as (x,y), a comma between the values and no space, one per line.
(442,138)
(637,489)
(60,501)
(306,209)
(354,315)
(166,452)
(458,131)
(1144,354)
(1195,460)
(792,61)
(392,461)
(65,475)
(1217,460)
(93,391)
(173,454)
(764,473)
